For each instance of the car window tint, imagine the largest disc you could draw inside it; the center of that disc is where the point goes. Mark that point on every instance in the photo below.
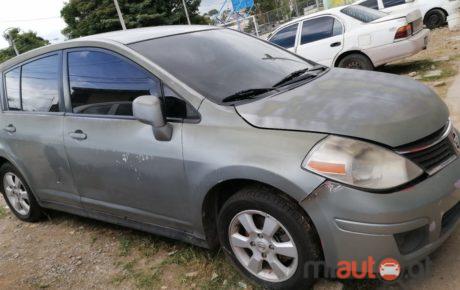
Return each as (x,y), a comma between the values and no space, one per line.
(12,84)
(391,3)
(338,28)
(286,36)
(106,84)
(40,85)
(177,108)
(370,4)
(362,13)
(317,29)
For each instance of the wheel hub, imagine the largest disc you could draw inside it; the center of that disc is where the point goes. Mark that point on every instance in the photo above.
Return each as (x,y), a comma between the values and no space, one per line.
(263,246)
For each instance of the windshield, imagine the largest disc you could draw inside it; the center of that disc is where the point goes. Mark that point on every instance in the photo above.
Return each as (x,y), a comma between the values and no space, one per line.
(221,62)
(362,13)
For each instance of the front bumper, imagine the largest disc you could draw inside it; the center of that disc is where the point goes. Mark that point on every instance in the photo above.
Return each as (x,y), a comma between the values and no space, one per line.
(398,50)
(407,225)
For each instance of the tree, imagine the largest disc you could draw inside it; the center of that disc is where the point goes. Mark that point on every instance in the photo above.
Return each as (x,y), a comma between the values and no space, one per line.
(24,41)
(91,17)
(213,12)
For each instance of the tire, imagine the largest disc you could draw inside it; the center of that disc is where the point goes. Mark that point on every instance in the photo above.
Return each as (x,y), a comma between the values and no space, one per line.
(356,61)
(435,18)
(265,206)
(10,175)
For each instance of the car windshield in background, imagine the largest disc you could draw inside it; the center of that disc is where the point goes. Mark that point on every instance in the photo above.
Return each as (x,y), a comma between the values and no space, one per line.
(219,63)
(362,13)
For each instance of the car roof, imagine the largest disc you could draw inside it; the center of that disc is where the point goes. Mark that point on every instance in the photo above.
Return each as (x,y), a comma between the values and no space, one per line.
(121,38)
(332,11)
(140,34)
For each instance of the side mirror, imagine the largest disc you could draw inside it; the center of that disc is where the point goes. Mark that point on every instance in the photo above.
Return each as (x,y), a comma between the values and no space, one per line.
(148,110)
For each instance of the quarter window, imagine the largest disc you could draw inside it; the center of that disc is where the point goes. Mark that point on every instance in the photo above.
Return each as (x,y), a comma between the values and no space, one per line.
(286,36)
(319,28)
(105,84)
(391,3)
(40,85)
(12,83)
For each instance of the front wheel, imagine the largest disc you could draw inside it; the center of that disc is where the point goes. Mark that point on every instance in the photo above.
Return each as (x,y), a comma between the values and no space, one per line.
(269,239)
(435,18)
(18,195)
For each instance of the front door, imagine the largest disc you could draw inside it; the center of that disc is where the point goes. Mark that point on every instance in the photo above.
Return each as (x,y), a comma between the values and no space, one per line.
(321,39)
(118,166)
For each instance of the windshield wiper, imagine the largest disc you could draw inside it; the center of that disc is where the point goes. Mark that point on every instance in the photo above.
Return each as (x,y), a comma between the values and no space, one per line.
(287,80)
(247,94)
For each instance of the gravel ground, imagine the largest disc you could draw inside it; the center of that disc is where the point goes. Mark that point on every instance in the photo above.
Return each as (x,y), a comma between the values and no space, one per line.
(70,252)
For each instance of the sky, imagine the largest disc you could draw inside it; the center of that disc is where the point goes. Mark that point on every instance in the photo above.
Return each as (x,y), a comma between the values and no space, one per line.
(43,17)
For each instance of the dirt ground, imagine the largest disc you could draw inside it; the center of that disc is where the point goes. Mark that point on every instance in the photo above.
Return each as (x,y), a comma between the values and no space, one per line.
(65,251)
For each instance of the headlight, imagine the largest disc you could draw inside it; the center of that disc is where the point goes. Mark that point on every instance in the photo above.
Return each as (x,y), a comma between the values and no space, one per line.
(360,164)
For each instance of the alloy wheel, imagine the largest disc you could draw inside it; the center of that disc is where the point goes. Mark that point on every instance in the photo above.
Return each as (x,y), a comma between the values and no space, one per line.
(263,246)
(16,193)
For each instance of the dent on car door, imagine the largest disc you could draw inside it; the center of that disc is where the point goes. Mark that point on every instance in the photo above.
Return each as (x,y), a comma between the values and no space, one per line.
(321,39)
(118,165)
(32,128)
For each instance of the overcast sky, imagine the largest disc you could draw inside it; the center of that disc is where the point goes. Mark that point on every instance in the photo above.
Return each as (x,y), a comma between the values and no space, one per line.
(43,17)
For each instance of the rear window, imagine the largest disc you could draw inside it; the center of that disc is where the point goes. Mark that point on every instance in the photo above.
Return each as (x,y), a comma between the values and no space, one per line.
(362,13)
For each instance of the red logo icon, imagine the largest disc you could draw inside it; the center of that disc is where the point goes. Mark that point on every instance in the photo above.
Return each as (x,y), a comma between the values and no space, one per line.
(389,269)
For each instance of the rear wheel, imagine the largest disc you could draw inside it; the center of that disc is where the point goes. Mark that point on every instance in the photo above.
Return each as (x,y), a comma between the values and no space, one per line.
(268,238)
(435,18)
(18,195)
(356,61)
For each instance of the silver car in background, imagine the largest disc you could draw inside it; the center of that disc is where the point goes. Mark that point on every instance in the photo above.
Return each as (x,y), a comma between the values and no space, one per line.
(217,138)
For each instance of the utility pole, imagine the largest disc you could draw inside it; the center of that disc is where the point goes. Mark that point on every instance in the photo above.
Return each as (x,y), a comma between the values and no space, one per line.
(120,16)
(186,13)
(11,40)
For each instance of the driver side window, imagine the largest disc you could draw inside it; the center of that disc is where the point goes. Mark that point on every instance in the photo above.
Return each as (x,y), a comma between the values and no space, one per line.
(102,83)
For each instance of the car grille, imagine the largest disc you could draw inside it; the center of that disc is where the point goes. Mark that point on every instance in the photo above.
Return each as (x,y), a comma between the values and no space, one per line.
(450,218)
(433,152)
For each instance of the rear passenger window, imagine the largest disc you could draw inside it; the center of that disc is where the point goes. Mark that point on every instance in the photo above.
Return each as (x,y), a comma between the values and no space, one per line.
(40,85)
(12,84)
(391,3)
(286,36)
(371,4)
(317,29)
(105,84)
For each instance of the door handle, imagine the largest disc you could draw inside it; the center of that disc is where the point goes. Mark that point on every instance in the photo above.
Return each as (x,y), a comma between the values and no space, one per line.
(78,135)
(335,44)
(10,128)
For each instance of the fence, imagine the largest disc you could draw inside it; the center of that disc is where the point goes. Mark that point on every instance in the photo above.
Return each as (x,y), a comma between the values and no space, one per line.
(262,24)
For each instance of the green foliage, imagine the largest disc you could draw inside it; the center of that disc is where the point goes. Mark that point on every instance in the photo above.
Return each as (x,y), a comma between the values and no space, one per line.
(91,17)
(24,41)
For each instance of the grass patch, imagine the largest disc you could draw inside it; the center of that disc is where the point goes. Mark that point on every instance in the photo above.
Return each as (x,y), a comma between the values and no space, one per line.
(422,67)
(143,278)
(125,245)
(2,212)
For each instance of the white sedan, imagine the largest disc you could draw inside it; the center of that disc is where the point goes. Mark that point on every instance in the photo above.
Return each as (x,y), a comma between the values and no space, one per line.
(434,12)
(353,36)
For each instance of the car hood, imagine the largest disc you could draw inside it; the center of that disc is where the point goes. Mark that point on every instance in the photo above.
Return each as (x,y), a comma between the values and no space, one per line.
(383,108)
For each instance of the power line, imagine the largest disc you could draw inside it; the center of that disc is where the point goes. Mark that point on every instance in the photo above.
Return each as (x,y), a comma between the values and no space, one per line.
(29,20)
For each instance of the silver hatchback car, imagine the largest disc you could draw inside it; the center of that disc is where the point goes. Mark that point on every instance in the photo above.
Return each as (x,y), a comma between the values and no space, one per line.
(217,138)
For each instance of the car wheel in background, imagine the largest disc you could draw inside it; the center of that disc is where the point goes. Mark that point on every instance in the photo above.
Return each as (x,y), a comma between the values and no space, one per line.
(18,195)
(356,61)
(435,18)
(269,239)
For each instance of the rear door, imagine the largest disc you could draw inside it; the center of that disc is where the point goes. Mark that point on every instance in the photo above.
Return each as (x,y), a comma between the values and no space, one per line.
(31,128)
(321,39)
